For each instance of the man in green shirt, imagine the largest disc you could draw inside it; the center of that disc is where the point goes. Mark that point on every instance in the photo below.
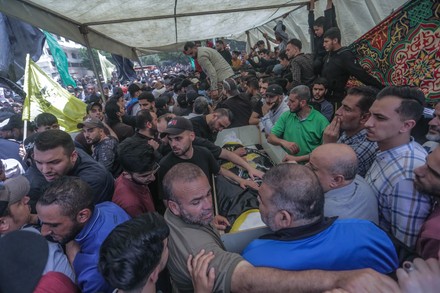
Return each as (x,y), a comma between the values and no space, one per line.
(299,131)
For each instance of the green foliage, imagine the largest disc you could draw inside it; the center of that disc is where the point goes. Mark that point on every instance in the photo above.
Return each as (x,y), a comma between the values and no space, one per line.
(86,62)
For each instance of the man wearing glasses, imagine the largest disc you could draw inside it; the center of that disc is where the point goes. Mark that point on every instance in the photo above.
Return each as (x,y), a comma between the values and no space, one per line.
(139,169)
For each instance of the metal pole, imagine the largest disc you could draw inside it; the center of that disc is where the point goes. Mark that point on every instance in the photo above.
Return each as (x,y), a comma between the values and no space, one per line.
(140,63)
(84,31)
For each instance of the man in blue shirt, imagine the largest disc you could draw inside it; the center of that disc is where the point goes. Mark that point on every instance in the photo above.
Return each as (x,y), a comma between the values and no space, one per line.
(292,206)
(68,216)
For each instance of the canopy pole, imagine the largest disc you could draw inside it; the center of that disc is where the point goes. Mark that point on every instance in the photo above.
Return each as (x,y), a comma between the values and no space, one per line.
(140,63)
(84,31)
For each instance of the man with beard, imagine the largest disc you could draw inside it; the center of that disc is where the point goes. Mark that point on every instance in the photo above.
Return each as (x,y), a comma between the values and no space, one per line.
(273,107)
(69,216)
(427,180)
(104,147)
(189,214)
(319,91)
(433,135)
(292,206)
(55,156)
(207,126)
(299,131)
(181,137)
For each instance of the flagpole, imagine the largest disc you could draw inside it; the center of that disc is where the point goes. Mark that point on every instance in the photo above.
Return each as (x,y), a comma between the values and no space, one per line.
(84,31)
(140,63)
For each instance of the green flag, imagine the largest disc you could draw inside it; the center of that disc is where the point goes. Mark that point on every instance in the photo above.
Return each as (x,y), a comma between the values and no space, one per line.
(60,59)
(43,94)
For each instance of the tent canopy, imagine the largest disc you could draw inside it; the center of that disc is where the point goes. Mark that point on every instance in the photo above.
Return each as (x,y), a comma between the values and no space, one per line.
(126,27)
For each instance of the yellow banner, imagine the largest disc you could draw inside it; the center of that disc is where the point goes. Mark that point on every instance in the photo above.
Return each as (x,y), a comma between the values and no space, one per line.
(43,94)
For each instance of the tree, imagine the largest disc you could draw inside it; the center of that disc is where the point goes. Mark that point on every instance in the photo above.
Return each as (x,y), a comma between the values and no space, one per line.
(86,62)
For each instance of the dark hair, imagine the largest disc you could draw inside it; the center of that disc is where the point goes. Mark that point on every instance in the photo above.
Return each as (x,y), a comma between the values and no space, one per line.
(320,21)
(295,42)
(296,189)
(45,119)
(135,155)
(71,193)
(133,88)
(321,80)
(142,117)
(302,92)
(253,83)
(260,42)
(111,111)
(188,45)
(183,172)
(181,100)
(201,106)
(333,33)
(219,42)
(146,96)
(282,55)
(117,93)
(412,101)
(53,138)
(367,94)
(224,112)
(264,51)
(132,251)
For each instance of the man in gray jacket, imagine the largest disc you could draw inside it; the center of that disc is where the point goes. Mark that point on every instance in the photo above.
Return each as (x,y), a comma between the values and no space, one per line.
(212,63)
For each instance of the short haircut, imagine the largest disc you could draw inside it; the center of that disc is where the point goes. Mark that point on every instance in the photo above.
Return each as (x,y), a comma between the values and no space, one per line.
(320,21)
(182,172)
(142,117)
(53,138)
(132,251)
(146,96)
(45,119)
(224,112)
(282,55)
(296,189)
(368,96)
(135,155)
(264,51)
(201,106)
(333,33)
(188,45)
(302,92)
(321,80)
(295,42)
(71,193)
(412,101)
(133,88)
(253,83)
(111,110)
(219,42)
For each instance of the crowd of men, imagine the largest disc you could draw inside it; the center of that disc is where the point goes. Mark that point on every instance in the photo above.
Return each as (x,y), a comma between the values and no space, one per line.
(130,202)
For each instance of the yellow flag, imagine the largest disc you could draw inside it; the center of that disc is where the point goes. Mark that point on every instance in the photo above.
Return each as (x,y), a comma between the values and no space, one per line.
(107,67)
(43,94)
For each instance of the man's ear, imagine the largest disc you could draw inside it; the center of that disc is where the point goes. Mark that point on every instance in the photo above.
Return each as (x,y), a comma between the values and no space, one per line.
(365,117)
(154,275)
(407,126)
(174,207)
(83,215)
(337,181)
(74,156)
(4,224)
(25,200)
(283,219)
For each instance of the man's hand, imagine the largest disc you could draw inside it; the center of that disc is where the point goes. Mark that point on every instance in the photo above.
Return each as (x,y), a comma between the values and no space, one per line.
(154,144)
(421,276)
(289,158)
(332,131)
(248,183)
(366,281)
(240,152)
(255,173)
(220,223)
(265,108)
(202,278)
(265,35)
(292,147)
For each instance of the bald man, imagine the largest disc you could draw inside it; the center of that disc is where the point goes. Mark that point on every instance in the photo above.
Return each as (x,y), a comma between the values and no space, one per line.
(347,195)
